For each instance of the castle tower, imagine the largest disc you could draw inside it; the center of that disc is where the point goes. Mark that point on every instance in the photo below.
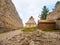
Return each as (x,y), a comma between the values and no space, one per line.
(31,22)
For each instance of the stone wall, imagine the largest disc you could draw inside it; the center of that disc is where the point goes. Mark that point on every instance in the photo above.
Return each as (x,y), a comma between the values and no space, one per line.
(58,24)
(9,18)
(54,15)
(46,25)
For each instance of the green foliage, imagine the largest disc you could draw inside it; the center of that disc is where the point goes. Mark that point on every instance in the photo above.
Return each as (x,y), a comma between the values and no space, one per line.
(30,29)
(44,13)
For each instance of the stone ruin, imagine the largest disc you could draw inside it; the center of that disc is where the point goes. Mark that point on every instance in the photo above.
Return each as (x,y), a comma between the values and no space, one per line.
(55,15)
(53,19)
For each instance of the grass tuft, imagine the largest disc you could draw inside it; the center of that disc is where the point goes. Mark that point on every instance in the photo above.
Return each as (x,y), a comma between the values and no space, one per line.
(30,29)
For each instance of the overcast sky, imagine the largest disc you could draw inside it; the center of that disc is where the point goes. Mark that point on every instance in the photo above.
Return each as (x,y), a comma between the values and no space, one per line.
(27,8)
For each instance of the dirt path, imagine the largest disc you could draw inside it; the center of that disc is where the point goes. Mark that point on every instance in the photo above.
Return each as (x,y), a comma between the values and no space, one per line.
(9,35)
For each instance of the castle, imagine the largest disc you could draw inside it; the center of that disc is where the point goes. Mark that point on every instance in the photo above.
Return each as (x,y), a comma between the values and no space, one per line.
(53,19)
(55,15)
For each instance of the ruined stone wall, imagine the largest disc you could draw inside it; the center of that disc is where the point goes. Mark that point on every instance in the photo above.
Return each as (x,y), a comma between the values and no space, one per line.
(54,15)
(9,18)
(58,24)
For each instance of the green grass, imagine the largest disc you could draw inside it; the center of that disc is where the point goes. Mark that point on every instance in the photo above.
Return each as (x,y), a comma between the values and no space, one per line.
(29,29)
(51,30)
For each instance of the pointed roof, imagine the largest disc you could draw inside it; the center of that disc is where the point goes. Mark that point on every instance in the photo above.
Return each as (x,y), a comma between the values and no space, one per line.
(31,20)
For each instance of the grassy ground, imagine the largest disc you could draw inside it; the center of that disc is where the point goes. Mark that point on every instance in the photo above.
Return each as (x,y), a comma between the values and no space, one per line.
(51,30)
(29,29)
(35,28)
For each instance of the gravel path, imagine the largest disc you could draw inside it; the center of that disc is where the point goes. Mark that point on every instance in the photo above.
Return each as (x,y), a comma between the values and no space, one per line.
(9,35)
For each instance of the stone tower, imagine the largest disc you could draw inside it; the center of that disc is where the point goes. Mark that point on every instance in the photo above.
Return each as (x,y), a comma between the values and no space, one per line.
(31,22)
(9,18)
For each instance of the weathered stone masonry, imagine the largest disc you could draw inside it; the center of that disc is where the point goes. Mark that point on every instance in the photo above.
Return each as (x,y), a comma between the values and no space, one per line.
(9,18)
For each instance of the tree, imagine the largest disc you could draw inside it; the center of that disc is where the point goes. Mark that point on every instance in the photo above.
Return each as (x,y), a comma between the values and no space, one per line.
(44,13)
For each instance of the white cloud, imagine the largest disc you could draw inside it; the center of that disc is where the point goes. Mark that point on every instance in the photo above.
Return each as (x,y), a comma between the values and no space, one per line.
(26,8)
